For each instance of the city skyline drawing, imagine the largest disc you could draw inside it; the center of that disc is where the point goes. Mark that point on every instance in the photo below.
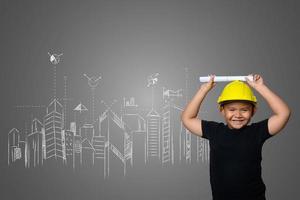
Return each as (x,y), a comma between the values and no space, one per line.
(80,137)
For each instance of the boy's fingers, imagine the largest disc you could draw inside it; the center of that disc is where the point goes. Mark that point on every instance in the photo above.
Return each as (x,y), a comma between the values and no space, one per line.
(212,77)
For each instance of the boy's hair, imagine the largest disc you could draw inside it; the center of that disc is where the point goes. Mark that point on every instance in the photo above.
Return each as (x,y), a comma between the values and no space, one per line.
(253,105)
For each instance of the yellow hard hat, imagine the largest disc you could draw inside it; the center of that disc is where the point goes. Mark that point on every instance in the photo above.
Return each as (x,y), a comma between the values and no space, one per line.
(237,90)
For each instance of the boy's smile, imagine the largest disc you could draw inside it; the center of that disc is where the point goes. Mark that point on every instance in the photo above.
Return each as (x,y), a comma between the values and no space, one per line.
(237,114)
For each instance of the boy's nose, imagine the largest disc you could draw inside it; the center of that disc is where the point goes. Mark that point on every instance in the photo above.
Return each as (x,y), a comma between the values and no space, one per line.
(238,114)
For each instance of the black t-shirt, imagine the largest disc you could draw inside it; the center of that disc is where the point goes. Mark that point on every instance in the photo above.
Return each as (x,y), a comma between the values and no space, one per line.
(235,159)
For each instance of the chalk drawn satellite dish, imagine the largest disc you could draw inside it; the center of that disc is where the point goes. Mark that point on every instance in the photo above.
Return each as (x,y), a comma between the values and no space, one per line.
(54,58)
(152,79)
(93,81)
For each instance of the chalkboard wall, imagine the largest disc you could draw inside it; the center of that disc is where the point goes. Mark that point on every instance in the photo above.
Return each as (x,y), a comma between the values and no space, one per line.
(92,92)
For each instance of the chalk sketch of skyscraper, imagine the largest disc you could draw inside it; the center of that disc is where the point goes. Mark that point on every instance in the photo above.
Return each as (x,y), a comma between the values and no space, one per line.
(69,144)
(87,153)
(153,124)
(153,135)
(166,136)
(35,144)
(87,132)
(99,153)
(14,150)
(171,135)
(87,135)
(202,150)
(53,122)
(132,117)
(118,142)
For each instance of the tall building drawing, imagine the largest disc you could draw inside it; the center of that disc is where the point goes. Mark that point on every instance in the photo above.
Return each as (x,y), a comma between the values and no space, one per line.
(153,135)
(88,152)
(87,132)
(17,147)
(80,117)
(35,144)
(53,122)
(99,153)
(69,144)
(167,136)
(14,150)
(137,124)
(118,142)
(202,150)
(77,158)
(171,130)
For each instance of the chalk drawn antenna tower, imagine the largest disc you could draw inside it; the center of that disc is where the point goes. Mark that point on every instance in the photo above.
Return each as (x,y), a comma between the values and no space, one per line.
(93,83)
(54,59)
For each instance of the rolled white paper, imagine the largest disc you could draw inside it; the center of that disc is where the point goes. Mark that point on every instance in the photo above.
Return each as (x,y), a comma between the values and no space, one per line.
(226,78)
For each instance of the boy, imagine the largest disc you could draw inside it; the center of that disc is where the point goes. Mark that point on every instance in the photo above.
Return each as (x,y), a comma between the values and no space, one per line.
(235,147)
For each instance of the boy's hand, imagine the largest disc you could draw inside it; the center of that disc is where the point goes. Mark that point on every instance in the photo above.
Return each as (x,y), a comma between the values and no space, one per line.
(257,80)
(210,84)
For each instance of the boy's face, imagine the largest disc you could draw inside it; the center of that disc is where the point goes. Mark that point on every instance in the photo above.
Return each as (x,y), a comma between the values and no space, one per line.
(237,114)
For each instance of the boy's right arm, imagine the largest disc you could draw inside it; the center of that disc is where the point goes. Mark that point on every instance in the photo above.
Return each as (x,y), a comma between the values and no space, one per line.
(189,115)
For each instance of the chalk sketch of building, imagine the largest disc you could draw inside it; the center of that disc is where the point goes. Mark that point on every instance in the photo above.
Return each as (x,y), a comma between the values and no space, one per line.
(153,125)
(167,138)
(69,146)
(129,103)
(16,147)
(77,152)
(79,117)
(36,144)
(65,100)
(171,130)
(202,150)
(130,114)
(53,122)
(87,132)
(100,151)
(167,94)
(87,153)
(118,140)
(87,135)
(153,135)
(76,127)
(188,147)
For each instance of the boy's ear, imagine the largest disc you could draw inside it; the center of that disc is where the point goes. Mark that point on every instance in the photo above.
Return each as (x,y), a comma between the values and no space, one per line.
(221,108)
(254,110)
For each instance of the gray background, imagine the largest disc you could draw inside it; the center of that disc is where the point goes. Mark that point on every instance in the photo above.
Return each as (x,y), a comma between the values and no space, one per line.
(125,41)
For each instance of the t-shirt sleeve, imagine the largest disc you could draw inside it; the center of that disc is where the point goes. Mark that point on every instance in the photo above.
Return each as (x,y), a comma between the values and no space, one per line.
(209,129)
(264,133)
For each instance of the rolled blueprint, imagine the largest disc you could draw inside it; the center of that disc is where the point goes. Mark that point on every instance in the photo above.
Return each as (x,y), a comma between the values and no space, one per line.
(226,78)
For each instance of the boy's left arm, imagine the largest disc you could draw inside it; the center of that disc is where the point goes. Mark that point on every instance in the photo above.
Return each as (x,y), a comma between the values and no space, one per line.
(280,109)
